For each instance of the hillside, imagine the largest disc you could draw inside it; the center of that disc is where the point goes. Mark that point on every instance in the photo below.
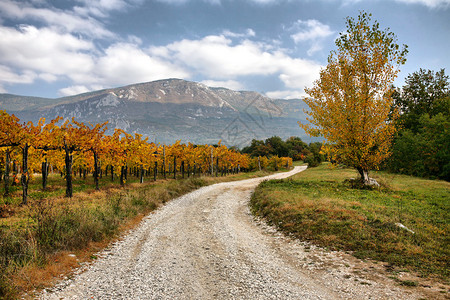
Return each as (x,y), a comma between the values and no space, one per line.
(170,110)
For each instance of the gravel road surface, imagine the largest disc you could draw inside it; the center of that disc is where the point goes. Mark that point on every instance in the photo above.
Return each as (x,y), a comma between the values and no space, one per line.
(207,245)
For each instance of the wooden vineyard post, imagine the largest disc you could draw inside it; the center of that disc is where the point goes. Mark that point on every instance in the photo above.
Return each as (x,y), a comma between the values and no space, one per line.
(155,171)
(174,167)
(68,161)
(25,178)
(217,166)
(182,169)
(7,167)
(96,167)
(164,161)
(212,161)
(44,171)
(122,171)
(259,163)
(112,173)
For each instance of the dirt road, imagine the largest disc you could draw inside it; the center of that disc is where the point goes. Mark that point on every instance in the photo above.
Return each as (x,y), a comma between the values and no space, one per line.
(206,245)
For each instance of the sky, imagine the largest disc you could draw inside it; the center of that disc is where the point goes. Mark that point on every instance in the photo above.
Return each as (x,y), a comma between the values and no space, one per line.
(275,47)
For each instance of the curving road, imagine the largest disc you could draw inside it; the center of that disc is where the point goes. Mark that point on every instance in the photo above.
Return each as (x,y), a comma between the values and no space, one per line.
(206,245)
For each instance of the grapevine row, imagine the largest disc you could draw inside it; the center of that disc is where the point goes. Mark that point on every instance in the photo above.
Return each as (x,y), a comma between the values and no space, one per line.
(73,146)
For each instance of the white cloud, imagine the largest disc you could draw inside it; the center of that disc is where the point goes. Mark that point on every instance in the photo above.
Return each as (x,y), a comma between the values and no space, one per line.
(248,33)
(9,76)
(179,2)
(44,51)
(219,59)
(67,21)
(298,73)
(125,63)
(99,8)
(288,94)
(174,1)
(229,84)
(73,90)
(311,31)
(264,1)
(48,77)
(429,3)
(49,55)
(66,48)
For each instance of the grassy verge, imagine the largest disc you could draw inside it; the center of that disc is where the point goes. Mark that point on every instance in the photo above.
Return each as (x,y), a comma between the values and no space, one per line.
(317,205)
(53,234)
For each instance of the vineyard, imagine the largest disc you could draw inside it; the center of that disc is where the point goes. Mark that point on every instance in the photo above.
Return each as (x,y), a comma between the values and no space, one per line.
(70,148)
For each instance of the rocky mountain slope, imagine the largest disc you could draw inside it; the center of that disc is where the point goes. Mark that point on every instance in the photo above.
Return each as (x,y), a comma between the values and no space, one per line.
(170,110)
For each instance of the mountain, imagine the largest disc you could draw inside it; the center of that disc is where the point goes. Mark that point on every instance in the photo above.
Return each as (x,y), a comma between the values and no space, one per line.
(170,110)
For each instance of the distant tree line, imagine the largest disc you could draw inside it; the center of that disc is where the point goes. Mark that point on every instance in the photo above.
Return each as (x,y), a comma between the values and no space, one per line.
(293,147)
(422,145)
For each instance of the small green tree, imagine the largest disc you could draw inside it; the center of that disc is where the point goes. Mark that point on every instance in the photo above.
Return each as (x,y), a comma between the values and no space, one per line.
(421,147)
(424,93)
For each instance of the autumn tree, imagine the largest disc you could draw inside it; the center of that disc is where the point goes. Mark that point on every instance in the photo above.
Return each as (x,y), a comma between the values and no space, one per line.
(45,142)
(11,135)
(90,138)
(15,134)
(350,103)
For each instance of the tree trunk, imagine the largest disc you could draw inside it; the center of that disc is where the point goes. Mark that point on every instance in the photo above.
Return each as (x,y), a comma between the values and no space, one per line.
(96,175)
(175,167)
(141,174)
(164,161)
(112,173)
(212,162)
(155,171)
(14,170)
(6,178)
(25,178)
(68,160)
(44,174)
(217,166)
(122,175)
(364,176)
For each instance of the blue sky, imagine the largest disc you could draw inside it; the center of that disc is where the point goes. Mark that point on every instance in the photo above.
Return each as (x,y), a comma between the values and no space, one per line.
(59,48)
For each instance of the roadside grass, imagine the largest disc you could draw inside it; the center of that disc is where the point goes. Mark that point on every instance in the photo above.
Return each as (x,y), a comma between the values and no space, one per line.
(53,234)
(318,206)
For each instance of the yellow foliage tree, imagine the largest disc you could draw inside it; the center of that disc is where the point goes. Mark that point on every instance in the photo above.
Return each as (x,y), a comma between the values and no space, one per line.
(350,104)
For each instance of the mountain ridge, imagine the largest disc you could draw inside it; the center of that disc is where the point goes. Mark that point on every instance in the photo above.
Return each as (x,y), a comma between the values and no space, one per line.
(171,109)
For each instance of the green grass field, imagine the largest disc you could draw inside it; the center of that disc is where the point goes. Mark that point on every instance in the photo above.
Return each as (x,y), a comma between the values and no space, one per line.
(318,206)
